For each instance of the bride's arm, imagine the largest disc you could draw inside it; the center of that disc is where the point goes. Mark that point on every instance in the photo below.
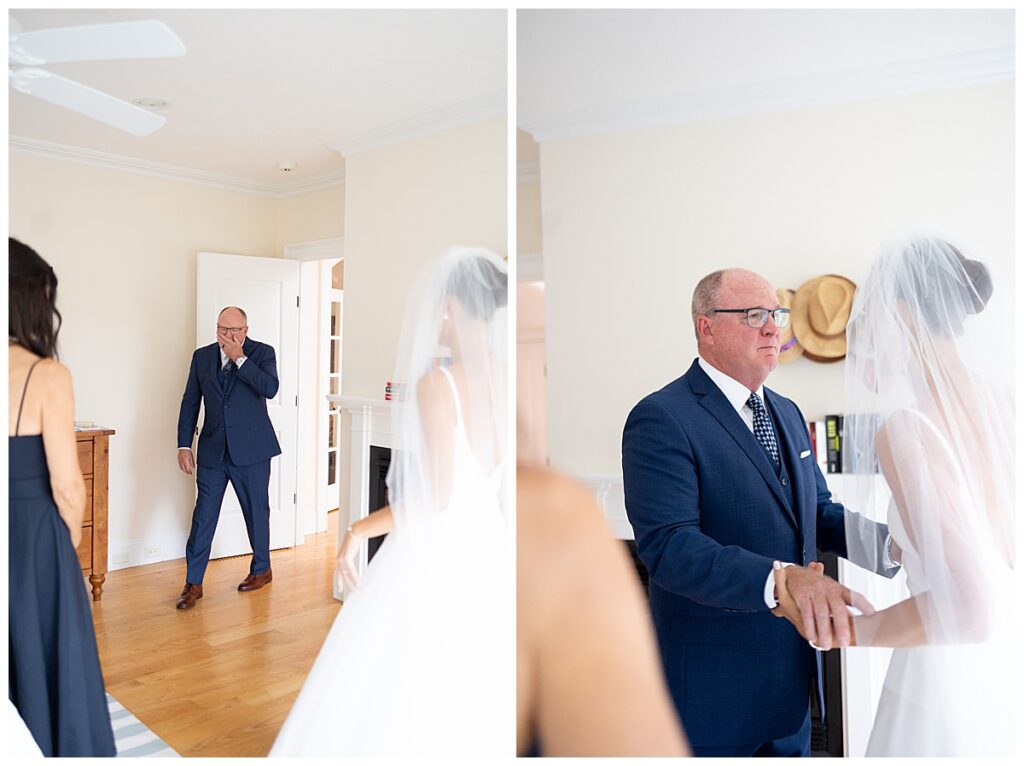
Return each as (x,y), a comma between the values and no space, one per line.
(927,500)
(922,481)
(378,523)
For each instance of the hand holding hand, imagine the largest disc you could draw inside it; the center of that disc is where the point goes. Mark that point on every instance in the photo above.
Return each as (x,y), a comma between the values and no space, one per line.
(817,605)
(347,554)
(186,462)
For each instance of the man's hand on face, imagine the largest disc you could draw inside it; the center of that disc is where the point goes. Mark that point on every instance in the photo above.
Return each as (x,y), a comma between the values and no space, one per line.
(231,348)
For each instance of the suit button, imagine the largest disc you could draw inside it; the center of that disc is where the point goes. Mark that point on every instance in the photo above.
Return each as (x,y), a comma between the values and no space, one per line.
(784,482)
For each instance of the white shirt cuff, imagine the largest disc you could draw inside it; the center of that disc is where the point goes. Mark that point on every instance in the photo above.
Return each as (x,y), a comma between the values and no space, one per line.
(188,448)
(241,360)
(769,587)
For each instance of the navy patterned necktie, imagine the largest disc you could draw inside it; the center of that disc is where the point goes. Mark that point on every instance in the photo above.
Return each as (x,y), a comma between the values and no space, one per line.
(225,374)
(763,428)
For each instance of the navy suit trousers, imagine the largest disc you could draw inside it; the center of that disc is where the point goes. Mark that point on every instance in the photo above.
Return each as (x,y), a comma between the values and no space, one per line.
(252,486)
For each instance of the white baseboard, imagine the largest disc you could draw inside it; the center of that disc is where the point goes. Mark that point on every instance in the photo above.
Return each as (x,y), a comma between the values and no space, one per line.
(135,553)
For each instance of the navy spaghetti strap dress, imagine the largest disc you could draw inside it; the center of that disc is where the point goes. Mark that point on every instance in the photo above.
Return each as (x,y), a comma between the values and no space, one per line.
(55,680)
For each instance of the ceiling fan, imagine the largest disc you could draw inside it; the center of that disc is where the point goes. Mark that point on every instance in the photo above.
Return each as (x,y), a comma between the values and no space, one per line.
(99,42)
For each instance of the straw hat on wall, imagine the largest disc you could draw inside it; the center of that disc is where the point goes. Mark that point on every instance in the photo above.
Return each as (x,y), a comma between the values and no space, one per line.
(821,308)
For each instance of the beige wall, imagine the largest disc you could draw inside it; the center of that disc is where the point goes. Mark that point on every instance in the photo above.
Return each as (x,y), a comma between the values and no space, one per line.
(124,248)
(306,217)
(528,225)
(632,220)
(404,205)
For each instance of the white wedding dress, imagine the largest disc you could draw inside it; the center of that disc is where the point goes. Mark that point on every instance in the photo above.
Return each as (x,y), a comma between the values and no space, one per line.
(944,700)
(415,663)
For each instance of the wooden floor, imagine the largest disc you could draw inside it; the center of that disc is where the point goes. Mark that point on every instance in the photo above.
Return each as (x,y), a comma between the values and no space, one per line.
(219,679)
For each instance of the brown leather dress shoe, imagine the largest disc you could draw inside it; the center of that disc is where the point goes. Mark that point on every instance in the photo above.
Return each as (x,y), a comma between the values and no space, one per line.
(255,581)
(190,595)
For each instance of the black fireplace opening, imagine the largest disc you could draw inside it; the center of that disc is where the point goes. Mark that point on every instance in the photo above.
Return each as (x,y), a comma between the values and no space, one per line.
(380,461)
(827,733)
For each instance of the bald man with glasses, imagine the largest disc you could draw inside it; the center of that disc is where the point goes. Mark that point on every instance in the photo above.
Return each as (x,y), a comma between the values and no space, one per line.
(233,379)
(720,482)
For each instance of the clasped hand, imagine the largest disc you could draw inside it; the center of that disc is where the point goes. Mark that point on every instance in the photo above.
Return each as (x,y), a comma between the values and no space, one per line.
(817,605)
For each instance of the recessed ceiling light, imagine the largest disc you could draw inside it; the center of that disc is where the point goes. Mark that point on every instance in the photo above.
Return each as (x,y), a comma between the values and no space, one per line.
(155,104)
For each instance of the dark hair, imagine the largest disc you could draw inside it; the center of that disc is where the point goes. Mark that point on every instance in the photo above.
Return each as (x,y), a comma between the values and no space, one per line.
(948,286)
(33,320)
(479,285)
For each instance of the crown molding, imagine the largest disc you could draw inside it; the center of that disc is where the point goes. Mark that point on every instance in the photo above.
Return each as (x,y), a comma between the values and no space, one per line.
(108,161)
(325,181)
(493,105)
(316,250)
(898,79)
(528,172)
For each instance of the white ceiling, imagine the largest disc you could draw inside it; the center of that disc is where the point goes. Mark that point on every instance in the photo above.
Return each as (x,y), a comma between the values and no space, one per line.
(260,87)
(587,71)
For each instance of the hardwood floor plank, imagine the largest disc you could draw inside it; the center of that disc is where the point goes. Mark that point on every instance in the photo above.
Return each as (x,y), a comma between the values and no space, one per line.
(219,679)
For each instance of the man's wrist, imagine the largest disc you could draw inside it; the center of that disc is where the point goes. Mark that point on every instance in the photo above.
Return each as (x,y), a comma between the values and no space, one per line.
(770,596)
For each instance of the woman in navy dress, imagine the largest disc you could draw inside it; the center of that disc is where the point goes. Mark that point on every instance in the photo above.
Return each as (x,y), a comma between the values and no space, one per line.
(55,680)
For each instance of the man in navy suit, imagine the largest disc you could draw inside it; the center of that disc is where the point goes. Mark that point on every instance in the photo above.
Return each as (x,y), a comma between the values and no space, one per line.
(720,482)
(234,378)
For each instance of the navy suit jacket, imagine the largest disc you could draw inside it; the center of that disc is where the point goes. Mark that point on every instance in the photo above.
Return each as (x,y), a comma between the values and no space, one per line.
(710,515)
(236,419)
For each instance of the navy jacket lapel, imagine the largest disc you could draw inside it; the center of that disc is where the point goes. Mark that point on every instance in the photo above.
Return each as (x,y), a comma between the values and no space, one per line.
(216,371)
(714,401)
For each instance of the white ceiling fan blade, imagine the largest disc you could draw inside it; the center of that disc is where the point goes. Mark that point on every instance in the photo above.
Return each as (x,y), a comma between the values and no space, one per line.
(98,42)
(85,100)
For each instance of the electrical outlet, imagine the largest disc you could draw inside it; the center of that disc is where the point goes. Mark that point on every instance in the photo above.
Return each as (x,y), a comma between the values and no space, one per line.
(152,551)
(121,558)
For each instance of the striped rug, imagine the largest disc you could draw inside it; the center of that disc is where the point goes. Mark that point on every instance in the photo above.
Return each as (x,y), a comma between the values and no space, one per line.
(132,737)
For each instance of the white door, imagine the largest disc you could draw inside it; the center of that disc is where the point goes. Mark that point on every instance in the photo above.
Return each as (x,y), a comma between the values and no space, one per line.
(267,289)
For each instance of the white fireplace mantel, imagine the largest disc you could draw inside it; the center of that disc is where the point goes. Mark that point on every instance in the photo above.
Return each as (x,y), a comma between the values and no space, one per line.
(369,425)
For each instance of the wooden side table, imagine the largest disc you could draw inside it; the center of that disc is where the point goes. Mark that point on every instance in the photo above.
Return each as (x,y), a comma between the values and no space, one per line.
(92,551)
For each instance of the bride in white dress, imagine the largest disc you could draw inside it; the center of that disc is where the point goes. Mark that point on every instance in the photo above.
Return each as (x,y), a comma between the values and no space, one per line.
(420,659)
(930,403)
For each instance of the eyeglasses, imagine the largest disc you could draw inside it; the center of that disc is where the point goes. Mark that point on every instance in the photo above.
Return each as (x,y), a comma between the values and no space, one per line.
(758,317)
(229,329)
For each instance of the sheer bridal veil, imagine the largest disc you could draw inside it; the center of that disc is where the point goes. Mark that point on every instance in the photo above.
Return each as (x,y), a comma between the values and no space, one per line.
(455,320)
(930,407)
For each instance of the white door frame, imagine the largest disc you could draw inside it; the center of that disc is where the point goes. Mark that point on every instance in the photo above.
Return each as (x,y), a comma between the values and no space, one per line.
(311,414)
(328,295)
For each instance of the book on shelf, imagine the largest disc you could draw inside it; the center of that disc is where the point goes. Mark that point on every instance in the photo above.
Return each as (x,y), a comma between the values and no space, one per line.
(834,443)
